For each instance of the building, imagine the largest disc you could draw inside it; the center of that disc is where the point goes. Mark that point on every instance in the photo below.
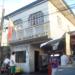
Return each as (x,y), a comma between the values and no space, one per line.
(34,27)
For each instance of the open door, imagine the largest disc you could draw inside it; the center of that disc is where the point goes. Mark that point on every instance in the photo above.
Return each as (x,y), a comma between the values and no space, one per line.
(36,60)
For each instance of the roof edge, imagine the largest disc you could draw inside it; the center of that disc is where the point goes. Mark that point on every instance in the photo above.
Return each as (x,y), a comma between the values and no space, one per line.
(64,9)
(37,2)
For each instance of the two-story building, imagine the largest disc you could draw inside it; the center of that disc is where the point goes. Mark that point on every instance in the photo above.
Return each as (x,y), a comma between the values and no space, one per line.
(36,23)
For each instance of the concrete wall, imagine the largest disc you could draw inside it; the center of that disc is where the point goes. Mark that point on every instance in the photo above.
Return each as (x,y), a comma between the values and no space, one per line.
(29,65)
(25,14)
(31,57)
(23,47)
(58,23)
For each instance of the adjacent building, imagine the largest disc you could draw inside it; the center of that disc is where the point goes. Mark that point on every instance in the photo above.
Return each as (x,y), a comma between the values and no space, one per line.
(36,23)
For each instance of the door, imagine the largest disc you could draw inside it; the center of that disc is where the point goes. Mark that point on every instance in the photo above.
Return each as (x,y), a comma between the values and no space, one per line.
(36,59)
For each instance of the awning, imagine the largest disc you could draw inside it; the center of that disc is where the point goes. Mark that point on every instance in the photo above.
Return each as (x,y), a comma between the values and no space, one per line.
(54,42)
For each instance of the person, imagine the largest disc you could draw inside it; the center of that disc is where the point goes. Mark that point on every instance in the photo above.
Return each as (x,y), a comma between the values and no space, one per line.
(54,64)
(6,62)
(64,59)
(5,65)
(12,63)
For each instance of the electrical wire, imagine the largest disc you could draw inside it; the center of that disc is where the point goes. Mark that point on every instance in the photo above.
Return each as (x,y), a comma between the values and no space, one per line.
(72,6)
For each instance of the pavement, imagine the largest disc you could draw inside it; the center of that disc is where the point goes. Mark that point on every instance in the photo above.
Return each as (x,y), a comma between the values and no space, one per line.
(36,73)
(33,73)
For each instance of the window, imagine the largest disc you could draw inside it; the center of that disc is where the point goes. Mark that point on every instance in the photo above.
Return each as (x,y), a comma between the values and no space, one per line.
(18,24)
(19,28)
(21,56)
(36,18)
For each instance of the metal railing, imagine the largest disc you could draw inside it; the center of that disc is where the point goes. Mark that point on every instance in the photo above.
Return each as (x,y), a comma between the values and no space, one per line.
(31,32)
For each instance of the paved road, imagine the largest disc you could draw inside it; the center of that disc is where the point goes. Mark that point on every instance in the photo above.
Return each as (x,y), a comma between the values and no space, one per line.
(36,73)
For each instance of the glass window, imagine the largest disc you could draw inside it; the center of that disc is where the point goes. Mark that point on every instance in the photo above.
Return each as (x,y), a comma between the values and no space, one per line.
(21,56)
(19,28)
(18,24)
(36,18)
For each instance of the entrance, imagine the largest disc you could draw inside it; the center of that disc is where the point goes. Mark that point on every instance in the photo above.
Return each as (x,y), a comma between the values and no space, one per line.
(36,60)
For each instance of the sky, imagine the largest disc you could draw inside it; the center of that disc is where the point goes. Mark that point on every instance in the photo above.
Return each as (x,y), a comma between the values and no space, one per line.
(71,4)
(12,5)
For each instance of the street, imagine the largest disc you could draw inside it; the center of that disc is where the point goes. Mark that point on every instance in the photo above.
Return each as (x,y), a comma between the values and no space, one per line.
(36,73)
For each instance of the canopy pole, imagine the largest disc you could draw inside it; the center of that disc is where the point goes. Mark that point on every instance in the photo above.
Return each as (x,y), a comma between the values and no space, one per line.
(67,40)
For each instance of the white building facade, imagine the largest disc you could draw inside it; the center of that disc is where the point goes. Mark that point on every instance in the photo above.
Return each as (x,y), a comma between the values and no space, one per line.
(35,23)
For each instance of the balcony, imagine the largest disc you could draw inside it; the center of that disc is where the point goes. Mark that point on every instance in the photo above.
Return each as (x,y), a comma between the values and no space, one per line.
(30,33)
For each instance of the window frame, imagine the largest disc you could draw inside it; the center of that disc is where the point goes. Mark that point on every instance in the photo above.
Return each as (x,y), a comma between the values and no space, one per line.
(18,24)
(19,58)
(36,18)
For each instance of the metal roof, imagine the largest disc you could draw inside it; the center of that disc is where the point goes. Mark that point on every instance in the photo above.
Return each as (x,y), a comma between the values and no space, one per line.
(50,42)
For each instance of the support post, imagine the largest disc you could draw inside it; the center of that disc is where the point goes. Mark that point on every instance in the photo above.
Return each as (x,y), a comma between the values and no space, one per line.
(67,40)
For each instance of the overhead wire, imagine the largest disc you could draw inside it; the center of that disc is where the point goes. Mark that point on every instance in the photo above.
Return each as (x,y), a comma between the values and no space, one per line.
(69,8)
(49,14)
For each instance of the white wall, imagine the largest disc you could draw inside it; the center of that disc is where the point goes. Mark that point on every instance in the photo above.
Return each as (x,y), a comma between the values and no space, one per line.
(55,30)
(31,57)
(25,14)
(29,65)
(58,29)
(23,47)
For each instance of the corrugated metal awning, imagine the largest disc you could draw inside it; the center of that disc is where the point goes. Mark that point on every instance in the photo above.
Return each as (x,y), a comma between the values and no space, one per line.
(54,42)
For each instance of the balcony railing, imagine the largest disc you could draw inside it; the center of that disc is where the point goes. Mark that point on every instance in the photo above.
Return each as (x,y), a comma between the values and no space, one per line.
(31,32)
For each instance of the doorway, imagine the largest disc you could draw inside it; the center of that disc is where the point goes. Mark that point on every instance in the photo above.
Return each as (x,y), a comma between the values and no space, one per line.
(36,60)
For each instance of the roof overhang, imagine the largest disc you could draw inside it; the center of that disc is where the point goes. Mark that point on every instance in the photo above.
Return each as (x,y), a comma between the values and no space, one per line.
(54,42)
(64,9)
(51,42)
